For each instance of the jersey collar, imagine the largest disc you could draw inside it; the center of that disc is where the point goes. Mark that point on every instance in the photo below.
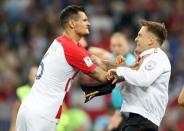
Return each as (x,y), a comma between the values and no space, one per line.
(149,51)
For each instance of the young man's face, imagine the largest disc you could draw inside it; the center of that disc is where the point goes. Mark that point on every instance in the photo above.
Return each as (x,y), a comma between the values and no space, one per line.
(143,40)
(81,26)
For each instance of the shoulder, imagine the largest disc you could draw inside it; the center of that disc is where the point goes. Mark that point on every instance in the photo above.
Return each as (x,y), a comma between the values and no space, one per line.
(70,47)
(161,58)
(65,43)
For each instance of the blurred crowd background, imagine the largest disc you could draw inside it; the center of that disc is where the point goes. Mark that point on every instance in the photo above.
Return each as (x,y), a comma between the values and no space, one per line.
(28,27)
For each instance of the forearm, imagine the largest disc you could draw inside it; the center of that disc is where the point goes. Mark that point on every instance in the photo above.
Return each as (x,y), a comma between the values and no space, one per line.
(132,76)
(103,77)
(139,78)
(99,62)
(100,75)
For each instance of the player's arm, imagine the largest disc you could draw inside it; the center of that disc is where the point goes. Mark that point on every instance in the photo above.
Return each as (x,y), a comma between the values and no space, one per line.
(82,61)
(99,62)
(107,64)
(97,56)
(99,74)
(181,98)
(100,52)
(148,72)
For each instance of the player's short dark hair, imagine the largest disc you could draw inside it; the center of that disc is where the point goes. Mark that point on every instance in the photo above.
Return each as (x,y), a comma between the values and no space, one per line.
(69,12)
(158,29)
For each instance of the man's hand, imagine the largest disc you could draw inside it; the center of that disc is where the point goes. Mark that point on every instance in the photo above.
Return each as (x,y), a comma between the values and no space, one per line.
(119,61)
(111,75)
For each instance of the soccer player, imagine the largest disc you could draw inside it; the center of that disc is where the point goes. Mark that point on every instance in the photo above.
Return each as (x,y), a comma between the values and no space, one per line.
(41,109)
(145,89)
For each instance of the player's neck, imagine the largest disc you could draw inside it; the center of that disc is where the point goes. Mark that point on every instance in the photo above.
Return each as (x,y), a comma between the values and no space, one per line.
(72,35)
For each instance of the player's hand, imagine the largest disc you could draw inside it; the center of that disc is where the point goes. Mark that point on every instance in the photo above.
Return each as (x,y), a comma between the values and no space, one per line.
(119,61)
(111,75)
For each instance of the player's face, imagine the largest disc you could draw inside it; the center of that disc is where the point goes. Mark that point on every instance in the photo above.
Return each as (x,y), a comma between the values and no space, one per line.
(119,46)
(142,40)
(82,24)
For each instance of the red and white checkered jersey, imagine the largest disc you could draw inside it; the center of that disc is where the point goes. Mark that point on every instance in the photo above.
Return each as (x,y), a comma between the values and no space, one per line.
(58,67)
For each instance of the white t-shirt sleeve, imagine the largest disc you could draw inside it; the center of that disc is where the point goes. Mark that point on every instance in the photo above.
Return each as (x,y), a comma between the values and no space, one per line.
(148,72)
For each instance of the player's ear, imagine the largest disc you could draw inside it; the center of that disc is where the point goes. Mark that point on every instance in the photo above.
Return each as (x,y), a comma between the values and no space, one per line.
(151,41)
(71,24)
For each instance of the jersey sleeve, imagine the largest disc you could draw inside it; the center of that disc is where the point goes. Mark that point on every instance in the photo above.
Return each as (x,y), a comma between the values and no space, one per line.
(80,46)
(79,58)
(148,72)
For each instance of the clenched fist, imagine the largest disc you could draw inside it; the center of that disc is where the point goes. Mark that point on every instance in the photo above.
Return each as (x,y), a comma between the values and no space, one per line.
(119,61)
(111,75)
